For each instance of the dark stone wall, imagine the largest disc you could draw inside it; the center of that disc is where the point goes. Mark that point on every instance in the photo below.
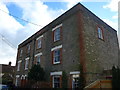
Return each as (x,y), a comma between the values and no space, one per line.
(70,48)
(100,54)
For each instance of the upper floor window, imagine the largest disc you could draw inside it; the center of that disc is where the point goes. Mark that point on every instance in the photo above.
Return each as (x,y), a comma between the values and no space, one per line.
(21,52)
(57,54)
(38,58)
(18,65)
(28,48)
(57,33)
(39,42)
(26,63)
(100,33)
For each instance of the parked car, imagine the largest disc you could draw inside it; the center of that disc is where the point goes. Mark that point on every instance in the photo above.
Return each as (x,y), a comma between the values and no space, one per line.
(3,87)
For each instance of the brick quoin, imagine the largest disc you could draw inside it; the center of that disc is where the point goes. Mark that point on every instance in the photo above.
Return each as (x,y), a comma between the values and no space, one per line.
(81,36)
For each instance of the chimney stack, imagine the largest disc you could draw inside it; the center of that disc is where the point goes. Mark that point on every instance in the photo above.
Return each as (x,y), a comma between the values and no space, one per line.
(10,63)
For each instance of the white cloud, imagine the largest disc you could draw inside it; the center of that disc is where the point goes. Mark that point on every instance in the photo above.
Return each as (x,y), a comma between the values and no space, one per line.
(7,22)
(8,27)
(35,12)
(115,16)
(71,3)
(7,54)
(111,23)
(112,5)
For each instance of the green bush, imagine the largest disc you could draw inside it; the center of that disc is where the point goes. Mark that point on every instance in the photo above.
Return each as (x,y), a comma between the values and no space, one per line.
(115,78)
(36,73)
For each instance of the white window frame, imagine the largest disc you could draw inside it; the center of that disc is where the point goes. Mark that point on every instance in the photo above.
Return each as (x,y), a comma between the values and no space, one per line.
(75,74)
(56,48)
(56,27)
(54,30)
(26,63)
(100,33)
(38,55)
(56,76)
(57,34)
(18,65)
(56,56)
(56,73)
(16,80)
(21,52)
(39,44)
(38,59)
(28,48)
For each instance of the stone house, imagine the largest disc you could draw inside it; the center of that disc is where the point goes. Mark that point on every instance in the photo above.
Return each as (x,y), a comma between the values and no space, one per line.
(77,37)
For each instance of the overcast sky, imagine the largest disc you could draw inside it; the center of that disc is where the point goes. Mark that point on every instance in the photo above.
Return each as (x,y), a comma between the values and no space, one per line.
(13,30)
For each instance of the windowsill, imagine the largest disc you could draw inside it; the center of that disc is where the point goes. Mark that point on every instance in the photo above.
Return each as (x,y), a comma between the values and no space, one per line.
(38,48)
(56,41)
(26,68)
(27,53)
(55,63)
(101,39)
(20,56)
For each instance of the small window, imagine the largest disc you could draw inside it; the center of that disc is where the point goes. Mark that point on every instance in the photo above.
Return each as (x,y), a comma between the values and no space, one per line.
(75,81)
(26,63)
(21,52)
(56,56)
(28,48)
(39,43)
(56,81)
(57,34)
(100,33)
(38,59)
(19,64)
(17,81)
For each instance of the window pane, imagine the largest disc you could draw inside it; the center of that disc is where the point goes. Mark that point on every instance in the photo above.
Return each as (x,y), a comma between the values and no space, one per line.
(100,34)
(39,43)
(21,51)
(18,66)
(38,59)
(75,81)
(28,48)
(57,34)
(57,56)
(26,64)
(56,81)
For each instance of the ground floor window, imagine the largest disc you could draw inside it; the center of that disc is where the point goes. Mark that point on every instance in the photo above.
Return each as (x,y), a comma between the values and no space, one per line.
(17,80)
(56,81)
(75,81)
